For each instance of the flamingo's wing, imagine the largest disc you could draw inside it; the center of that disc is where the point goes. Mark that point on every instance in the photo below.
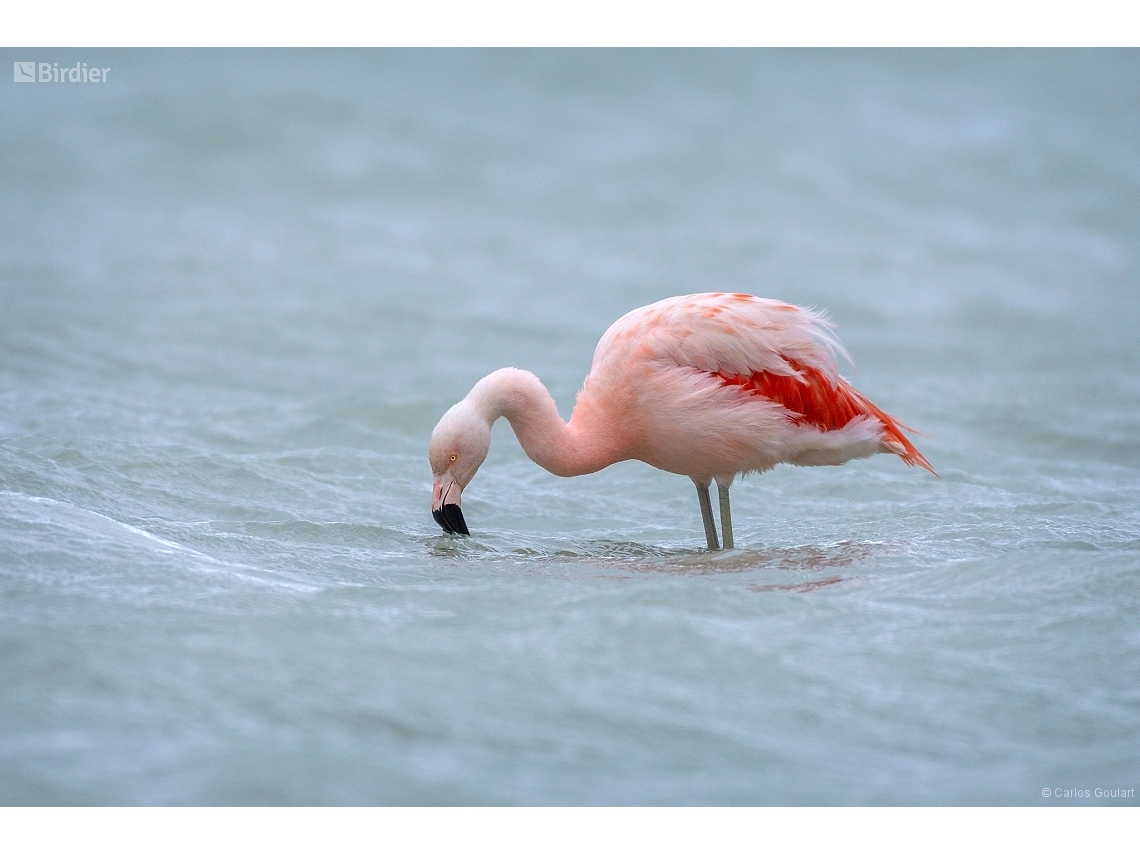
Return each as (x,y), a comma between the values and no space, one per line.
(778,352)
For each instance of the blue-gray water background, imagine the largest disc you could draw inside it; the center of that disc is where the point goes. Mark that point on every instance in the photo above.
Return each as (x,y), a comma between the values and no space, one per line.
(239,288)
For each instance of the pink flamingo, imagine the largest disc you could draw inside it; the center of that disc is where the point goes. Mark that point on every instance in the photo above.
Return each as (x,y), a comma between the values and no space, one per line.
(709,386)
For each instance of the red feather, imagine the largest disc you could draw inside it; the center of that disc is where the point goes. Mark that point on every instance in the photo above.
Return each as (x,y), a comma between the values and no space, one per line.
(812,400)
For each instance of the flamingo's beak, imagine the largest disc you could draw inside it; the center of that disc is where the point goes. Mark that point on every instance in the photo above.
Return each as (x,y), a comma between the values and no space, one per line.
(445,498)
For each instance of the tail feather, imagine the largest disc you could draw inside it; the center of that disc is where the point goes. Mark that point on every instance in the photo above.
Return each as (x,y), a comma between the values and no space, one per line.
(812,398)
(894,440)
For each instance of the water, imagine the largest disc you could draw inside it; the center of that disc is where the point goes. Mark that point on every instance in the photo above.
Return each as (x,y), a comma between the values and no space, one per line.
(239,288)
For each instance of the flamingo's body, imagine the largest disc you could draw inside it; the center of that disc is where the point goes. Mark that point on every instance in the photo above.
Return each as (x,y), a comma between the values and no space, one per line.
(708,386)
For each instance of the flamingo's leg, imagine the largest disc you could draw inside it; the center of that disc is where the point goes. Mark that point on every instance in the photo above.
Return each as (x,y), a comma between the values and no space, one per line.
(706,515)
(725,516)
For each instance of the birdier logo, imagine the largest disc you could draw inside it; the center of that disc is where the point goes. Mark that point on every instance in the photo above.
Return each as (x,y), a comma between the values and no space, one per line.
(50,72)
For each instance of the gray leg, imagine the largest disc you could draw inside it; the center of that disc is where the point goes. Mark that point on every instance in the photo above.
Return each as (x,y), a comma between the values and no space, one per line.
(706,515)
(725,516)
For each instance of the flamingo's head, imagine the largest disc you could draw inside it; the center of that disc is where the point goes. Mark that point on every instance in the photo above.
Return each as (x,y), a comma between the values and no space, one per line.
(458,447)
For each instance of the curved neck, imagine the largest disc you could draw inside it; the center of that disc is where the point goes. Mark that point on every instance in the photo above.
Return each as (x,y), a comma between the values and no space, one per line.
(584,445)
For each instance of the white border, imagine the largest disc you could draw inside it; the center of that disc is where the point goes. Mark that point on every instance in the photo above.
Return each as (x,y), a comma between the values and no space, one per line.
(567,23)
(551,831)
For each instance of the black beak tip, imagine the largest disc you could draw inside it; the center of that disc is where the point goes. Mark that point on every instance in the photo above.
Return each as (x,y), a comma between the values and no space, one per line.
(453,515)
(450,519)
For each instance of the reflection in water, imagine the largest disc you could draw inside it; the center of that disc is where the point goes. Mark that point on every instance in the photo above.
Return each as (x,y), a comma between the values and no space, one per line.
(619,560)
(808,557)
(801,588)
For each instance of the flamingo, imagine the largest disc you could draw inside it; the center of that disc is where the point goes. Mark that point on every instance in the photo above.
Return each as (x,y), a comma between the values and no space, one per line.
(706,385)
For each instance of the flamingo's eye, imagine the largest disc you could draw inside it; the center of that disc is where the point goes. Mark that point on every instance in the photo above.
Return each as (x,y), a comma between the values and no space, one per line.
(453,458)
